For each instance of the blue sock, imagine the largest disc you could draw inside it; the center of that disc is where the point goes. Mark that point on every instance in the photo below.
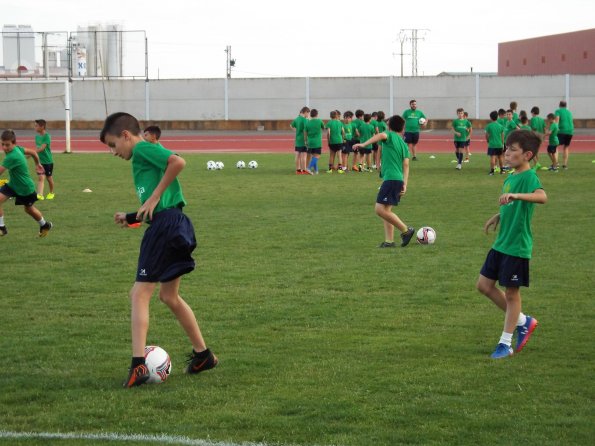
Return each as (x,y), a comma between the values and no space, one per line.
(315,164)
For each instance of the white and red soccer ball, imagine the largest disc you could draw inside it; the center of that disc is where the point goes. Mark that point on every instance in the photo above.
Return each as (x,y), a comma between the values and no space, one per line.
(158,362)
(426,235)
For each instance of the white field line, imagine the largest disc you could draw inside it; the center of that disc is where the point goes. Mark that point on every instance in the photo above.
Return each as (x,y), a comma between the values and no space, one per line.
(114,436)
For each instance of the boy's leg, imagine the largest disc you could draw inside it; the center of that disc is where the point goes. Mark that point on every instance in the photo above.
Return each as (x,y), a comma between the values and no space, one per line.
(488,288)
(51,183)
(44,226)
(303,156)
(566,152)
(513,308)
(385,212)
(40,185)
(140,297)
(170,297)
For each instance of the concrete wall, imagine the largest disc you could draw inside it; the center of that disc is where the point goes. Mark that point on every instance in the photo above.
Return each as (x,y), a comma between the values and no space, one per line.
(279,99)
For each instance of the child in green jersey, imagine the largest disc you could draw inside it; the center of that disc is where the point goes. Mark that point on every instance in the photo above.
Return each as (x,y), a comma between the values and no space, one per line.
(348,134)
(21,186)
(494,134)
(508,260)
(566,126)
(537,124)
(468,142)
(42,145)
(335,136)
(357,156)
(167,245)
(380,127)
(394,169)
(313,129)
(461,128)
(299,125)
(152,133)
(553,141)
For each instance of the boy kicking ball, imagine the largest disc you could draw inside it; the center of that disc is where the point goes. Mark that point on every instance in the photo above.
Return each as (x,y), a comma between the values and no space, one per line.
(167,245)
(508,260)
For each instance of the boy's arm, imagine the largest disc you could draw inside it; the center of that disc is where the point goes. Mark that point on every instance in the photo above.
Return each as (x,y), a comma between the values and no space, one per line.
(492,221)
(175,165)
(487,137)
(372,140)
(405,175)
(538,196)
(33,154)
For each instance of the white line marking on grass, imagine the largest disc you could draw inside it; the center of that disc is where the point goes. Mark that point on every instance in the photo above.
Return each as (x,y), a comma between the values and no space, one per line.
(113,436)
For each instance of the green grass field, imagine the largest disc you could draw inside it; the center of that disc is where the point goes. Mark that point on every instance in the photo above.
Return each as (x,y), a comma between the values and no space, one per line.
(322,337)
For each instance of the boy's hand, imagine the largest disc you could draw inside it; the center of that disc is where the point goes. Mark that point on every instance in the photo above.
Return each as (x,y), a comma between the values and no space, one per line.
(403,190)
(492,222)
(507,198)
(120,219)
(145,212)
(39,169)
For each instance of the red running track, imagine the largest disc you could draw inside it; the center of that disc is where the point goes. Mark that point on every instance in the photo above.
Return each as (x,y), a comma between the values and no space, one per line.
(276,143)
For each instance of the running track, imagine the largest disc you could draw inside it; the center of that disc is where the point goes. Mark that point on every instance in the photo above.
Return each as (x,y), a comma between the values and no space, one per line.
(252,142)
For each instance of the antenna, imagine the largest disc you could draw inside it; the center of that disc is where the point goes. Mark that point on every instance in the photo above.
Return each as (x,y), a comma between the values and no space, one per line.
(414,38)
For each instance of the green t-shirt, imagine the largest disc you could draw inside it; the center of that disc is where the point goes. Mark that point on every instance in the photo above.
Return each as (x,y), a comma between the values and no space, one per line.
(525,127)
(502,122)
(16,163)
(411,118)
(149,162)
(394,151)
(366,131)
(336,129)
(461,126)
(348,129)
(494,132)
(565,123)
(299,124)
(554,141)
(356,123)
(509,128)
(381,126)
(314,129)
(515,237)
(45,156)
(538,124)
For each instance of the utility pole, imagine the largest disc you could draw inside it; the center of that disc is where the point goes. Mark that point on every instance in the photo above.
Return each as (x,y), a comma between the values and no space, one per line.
(402,39)
(230,62)
(414,38)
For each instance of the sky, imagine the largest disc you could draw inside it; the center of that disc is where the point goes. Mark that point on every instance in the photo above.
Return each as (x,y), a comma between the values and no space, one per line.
(268,38)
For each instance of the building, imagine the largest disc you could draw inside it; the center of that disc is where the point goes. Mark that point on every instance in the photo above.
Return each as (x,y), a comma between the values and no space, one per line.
(569,53)
(18,46)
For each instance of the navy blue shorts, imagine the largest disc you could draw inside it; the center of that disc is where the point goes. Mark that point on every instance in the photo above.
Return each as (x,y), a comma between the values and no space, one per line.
(509,271)
(48,169)
(375,147)
(552,149)
(335,147)
(564,139)
(347,147)
(301,149)
(467,143)
(19,200)
(389,192)
(495,151)
(459,144)
(315,151)
(166,248)
(411,137)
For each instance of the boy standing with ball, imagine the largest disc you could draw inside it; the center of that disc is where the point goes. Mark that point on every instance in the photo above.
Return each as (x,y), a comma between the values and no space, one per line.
(165,252)
(394,168)
(508,260)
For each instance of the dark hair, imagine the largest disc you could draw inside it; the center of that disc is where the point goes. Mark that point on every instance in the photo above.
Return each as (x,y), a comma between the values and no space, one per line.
(359,113)
(501,111)
(396,123)
(509,111)
(367,117)
(153,130)
(374,114)
(305,110)
(381,116)
(535,110)
(411,102)
(494,115)
(116,123)
(313,112)
(551,116)
(333,114)
(465,114)
(563,104)
(348,114)
(9,135)
(513,105)
(524,119)
(527,140)
(460,110)
(522,113)
(40,122)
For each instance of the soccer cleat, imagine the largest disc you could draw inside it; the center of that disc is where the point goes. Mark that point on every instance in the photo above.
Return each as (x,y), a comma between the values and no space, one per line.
(466,160)
(340,171)
(40,197)
(387,245)
(407,236)
(197,364)
(329,171)
(414,158)
(564,167)
(491,173)
(50,196)
(459,167)
(502,351)
(524,332)
(3,231)
(43,230)
(137,376)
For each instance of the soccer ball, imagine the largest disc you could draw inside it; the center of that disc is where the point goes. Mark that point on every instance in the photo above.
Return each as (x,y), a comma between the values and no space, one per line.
(426,235)
(219,165)
(158,362)
(252,164)
(422,121)
(211,165)
(240,164)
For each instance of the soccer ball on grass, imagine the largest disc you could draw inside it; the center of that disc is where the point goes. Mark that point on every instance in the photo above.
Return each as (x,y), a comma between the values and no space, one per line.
(241,164)
(252,164)
(426,235)
(211,165)
(219,165)
(158,362)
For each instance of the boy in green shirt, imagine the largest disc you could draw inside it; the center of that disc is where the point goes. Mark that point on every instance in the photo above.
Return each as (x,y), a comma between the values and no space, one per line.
(553,141)
(494,134)
(468,142)
(508,260)
(537,124)
(365,132)
(335,136)
(394,168)
(299,124)
(43,141)
(313,129)
(348,134)
(461,128)
(167,245)
(20,186)
(566,125)
(357,156)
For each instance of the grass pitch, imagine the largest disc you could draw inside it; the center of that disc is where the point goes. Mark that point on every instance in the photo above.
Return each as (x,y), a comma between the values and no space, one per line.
(322,337)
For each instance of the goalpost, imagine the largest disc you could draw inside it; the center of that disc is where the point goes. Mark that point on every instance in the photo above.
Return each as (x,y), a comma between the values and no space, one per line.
(35,115)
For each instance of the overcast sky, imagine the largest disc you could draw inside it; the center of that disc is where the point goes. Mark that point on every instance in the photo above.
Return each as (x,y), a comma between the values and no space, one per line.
(187,38)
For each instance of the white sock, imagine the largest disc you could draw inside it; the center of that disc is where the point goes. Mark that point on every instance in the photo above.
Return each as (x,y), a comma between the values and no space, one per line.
(2,221)
(41,222)
(522,319)
(506,338)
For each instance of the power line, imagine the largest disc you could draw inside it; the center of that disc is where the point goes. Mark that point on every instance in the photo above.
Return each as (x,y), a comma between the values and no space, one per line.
(414,37)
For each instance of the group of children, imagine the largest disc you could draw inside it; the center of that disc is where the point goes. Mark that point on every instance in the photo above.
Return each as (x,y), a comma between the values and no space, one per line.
(20,185)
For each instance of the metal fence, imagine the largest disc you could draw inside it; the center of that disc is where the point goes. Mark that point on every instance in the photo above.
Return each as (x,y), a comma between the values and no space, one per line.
(93,52)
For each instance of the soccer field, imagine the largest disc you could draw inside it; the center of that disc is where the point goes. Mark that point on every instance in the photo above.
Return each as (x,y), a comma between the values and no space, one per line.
(323,338)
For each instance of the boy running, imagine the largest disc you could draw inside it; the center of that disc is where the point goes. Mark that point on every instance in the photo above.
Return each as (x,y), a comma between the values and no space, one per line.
(43,142)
